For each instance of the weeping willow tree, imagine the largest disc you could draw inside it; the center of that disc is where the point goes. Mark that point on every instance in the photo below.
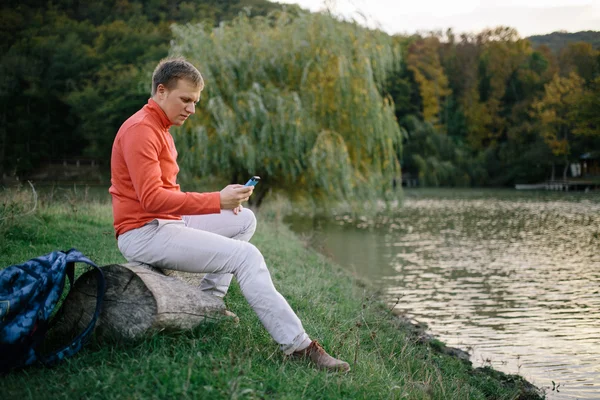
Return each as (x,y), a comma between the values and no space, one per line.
(296,100)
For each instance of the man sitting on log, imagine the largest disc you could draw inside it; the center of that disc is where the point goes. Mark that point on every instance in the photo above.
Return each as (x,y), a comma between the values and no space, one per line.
(158,224)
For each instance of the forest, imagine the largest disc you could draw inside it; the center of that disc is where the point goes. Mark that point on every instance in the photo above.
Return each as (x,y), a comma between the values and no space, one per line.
(492,109)
(312,102)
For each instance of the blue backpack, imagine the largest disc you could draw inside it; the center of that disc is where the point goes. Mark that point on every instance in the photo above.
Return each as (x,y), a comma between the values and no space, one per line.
(28,295)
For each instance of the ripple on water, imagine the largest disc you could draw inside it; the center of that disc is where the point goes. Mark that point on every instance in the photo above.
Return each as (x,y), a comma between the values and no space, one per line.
(525,274)
(514,282)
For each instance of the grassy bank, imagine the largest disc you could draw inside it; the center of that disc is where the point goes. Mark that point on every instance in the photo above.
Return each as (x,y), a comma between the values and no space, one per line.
(225,360)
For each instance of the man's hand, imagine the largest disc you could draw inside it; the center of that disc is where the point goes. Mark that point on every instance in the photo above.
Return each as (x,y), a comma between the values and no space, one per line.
(232,196)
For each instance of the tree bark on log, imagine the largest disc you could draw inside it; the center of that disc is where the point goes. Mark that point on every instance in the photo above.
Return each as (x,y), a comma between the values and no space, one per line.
(138,299)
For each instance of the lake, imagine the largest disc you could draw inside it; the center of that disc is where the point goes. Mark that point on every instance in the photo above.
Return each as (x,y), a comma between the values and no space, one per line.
(512,277)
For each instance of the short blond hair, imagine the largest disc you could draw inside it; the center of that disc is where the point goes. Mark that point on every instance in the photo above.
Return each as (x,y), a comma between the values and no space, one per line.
(170,70)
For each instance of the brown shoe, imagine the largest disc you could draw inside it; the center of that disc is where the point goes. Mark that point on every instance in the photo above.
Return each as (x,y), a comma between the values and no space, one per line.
(317,354)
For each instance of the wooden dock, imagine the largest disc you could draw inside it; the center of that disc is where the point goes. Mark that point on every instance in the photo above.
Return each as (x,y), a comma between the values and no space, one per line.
(563,185)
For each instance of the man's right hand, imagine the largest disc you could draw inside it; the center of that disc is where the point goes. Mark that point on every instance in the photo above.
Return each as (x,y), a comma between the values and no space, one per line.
(233,195)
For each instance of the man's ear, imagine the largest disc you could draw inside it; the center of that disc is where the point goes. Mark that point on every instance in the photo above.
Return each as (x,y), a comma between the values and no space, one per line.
(161,90)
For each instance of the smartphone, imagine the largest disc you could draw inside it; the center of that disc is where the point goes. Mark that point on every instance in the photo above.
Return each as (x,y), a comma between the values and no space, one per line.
(253,181)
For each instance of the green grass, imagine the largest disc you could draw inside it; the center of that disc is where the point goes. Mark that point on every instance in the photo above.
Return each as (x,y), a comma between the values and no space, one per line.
(228,361)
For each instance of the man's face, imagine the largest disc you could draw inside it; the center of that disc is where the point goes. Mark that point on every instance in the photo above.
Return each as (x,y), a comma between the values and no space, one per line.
(178,103)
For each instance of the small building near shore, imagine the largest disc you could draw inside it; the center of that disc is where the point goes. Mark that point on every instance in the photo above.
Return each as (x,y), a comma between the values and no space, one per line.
(590,164)
(583,175)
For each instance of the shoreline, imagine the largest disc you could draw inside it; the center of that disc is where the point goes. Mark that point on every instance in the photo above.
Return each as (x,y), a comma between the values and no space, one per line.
(390,356)
(414,330)
(417,331)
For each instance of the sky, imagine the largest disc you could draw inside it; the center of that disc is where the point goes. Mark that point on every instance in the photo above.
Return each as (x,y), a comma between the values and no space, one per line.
(529,17)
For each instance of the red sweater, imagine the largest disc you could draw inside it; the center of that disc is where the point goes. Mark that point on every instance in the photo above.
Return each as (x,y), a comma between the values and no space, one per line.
(144,174)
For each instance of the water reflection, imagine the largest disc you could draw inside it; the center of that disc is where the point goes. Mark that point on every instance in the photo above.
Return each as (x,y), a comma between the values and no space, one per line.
(515,281)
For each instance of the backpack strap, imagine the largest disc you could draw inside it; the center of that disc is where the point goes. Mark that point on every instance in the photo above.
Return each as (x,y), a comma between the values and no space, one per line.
(70,273)
(76,344)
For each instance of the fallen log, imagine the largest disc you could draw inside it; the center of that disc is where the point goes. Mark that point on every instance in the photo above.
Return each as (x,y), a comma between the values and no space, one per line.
(138,299)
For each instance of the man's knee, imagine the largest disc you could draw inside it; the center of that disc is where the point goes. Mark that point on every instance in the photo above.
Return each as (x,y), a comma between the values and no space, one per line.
(249,261)
(252,255)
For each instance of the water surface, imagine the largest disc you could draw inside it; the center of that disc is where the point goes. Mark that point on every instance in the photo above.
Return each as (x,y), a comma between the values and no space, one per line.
(514,278)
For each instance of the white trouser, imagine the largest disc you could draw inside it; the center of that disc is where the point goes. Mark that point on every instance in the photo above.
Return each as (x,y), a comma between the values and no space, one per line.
(228,224)
(204,244)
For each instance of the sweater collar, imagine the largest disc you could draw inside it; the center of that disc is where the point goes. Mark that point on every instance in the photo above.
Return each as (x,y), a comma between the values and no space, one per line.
(155,109)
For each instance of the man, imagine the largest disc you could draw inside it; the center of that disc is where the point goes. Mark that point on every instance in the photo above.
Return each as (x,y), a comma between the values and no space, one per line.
(158,224)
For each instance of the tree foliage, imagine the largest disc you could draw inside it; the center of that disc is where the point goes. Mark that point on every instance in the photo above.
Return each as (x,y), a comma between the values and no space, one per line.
(440,159)
(557,112)
(424,62)
(295,100)
(73,71)
(513,110)
(298,87)
(566,116)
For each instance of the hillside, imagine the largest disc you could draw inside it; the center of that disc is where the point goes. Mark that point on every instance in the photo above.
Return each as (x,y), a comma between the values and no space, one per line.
(557,40)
